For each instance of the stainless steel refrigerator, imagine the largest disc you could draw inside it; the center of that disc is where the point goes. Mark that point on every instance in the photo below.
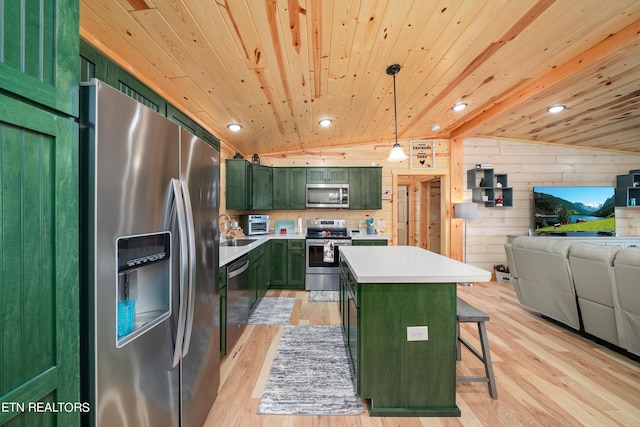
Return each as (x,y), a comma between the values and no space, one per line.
(150,319)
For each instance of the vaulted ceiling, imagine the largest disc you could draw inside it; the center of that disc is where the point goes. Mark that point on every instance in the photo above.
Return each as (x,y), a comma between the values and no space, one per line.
(278,67)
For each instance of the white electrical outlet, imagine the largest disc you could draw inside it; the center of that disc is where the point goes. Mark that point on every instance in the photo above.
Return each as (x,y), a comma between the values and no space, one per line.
(417,333)
(381,223)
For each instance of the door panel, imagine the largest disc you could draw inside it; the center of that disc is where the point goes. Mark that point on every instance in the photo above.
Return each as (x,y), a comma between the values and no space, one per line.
(39,57)
(39,251)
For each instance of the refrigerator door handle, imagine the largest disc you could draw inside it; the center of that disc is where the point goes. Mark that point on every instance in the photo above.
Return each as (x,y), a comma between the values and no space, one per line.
(178,205)
(192,267)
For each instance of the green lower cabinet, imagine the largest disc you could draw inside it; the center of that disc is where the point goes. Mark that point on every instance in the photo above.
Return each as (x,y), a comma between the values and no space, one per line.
(278,263)
(369,242)
(258,274)
(287,264)
(296,263)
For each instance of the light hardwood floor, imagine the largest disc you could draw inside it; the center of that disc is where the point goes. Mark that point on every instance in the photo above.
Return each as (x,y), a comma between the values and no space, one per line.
(546,375)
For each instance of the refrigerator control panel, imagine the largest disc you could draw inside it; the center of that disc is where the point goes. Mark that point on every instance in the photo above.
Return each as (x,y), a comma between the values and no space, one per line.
(140,250)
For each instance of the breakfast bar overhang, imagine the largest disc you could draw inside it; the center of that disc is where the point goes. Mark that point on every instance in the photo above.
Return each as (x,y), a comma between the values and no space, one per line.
(398,307)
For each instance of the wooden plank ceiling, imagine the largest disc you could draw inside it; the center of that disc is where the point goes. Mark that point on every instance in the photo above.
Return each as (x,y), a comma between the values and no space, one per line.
(278,67)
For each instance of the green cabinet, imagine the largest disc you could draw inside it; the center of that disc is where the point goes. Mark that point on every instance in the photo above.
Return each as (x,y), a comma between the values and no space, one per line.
(279,263)
(259,264)
(249,186)
(39,307)
(327,175)
(238,184)
(370,242)
(289,188)
(39,53)
(365,188)
(261,183)
(288,263)
(93,64)
(296,263)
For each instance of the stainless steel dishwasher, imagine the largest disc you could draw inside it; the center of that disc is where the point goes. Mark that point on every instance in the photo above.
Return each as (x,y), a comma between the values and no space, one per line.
(237,300)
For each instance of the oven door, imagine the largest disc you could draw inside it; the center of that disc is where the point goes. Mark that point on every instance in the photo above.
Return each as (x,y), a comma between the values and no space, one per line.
(316,263)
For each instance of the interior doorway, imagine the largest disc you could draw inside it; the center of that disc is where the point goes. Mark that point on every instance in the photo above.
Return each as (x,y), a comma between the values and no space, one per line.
(403,215)
(420,212)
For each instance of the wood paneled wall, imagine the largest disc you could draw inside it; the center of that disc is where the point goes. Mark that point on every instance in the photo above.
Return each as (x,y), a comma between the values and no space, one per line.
(527,165)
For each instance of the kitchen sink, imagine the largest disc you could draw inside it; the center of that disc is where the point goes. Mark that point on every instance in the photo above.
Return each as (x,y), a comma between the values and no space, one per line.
(237,242)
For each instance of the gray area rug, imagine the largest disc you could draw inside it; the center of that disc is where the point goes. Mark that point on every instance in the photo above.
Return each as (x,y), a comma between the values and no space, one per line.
(323,296)
(310,374)
(272,311)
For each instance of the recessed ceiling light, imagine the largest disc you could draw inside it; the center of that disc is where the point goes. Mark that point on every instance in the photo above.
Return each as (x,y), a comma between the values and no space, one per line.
(459,106)
(234,127)
(325,122)
(435,128)
(556,108)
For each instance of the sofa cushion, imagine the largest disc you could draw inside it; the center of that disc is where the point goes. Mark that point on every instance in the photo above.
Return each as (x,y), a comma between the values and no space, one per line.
(626,266)
(544,278)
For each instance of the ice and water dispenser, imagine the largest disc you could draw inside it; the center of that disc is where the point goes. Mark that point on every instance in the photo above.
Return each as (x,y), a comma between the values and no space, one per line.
(143,293)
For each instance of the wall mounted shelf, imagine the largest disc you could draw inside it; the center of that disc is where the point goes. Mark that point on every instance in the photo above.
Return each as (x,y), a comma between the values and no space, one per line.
(628,189)
(489,188)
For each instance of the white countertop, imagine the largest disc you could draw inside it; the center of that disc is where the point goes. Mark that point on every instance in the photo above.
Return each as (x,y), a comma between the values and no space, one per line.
(365,236)
(407,264)
(231,253)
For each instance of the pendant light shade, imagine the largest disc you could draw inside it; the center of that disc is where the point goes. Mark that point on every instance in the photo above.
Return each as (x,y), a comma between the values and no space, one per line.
(397,153)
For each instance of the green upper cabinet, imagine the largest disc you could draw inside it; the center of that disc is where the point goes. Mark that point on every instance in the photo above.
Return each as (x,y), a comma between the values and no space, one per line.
(39,285)
(289,188)
(327,175)
(93,64)
(39,52)
(365,188)
(249,186)
(238,184)
(261,182)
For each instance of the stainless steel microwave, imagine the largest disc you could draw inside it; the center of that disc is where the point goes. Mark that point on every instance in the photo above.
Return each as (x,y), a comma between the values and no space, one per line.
(328,196)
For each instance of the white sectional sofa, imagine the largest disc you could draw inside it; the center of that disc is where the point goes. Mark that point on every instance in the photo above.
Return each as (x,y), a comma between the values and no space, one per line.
(592,288)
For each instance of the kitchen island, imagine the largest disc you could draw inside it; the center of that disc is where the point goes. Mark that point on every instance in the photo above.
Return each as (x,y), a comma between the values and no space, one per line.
(398,307)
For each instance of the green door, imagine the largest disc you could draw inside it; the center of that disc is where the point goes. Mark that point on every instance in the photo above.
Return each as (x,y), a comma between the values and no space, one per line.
(289,188)
(278,277)
(39,52)
(296,263)
(365,188)
(262,187)
(39,309)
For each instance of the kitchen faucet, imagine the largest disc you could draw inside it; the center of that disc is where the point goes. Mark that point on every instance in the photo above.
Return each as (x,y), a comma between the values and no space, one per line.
(229,226)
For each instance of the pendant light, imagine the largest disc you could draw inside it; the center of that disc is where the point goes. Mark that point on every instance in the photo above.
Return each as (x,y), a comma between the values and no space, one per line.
(397,153)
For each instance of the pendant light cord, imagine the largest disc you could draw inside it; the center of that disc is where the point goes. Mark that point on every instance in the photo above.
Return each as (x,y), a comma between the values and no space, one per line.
(395,108)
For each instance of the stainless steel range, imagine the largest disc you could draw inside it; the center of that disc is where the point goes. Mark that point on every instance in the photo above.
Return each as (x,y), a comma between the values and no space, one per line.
(324,238)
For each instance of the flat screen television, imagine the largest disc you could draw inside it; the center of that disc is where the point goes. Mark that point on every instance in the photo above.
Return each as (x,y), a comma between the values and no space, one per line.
(574,210)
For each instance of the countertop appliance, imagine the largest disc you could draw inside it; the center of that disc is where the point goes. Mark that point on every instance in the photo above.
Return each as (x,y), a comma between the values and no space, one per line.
(237,299)
(149,209)
(328,196)
(254,224)
(324,239)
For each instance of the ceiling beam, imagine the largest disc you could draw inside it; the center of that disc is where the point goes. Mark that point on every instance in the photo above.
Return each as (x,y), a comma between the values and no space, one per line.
(613,42)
